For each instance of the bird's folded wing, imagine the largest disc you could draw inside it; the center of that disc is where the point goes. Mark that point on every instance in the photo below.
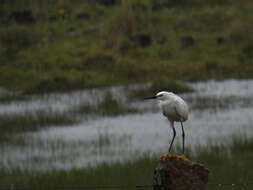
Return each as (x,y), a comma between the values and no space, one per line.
(181,110)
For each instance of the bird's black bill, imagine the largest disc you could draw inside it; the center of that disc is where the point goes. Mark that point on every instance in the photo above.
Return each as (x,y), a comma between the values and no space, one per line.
(152,97)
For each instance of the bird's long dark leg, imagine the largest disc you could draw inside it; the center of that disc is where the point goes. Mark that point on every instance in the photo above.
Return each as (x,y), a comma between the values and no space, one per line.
(174,134)
(182,134)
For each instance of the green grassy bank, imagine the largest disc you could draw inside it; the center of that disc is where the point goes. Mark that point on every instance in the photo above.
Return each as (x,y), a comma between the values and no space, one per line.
(64,45)
(226,165)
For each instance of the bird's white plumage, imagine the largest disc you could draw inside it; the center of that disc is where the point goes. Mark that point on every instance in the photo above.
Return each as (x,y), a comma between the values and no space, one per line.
(173,107)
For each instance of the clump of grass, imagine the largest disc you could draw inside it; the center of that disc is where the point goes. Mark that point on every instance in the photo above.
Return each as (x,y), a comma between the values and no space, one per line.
(131,18)
(161,85)
(130,173)
(241,146)
(228,164)
(15,124)
(17,37)
(108,107)
(7,98)
(217,103)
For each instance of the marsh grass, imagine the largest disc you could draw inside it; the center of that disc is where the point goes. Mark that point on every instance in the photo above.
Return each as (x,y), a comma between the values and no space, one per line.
(226,164)
(12,124)
(116,174)
(218,103)
(135,41)
(10,97)
(162,84)
(15,124)
(108,107)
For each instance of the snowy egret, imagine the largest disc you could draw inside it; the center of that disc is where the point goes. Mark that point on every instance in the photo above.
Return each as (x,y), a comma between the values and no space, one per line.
(175,109)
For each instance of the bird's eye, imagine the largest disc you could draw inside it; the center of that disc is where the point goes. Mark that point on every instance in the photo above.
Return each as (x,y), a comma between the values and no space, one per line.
(159,95)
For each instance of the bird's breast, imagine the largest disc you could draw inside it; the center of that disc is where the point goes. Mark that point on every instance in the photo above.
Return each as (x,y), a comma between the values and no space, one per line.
(171,111)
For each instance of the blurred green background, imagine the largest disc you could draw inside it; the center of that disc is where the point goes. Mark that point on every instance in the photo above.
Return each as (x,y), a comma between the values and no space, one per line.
(59,45)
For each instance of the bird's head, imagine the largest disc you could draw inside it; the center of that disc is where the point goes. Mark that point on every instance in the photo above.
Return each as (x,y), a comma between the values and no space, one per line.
(163,95)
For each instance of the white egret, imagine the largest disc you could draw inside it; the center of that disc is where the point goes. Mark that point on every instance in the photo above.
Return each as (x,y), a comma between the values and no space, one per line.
(175,109)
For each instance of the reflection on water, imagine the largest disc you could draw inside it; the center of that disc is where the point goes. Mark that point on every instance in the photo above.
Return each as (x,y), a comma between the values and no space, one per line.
(60,102)
(218,111)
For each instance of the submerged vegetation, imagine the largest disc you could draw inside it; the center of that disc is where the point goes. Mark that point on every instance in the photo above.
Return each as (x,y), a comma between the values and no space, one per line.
(227,165)
(12,124)
(27,122)
(161,85)
(108,107)
(7,98)
(65,45)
